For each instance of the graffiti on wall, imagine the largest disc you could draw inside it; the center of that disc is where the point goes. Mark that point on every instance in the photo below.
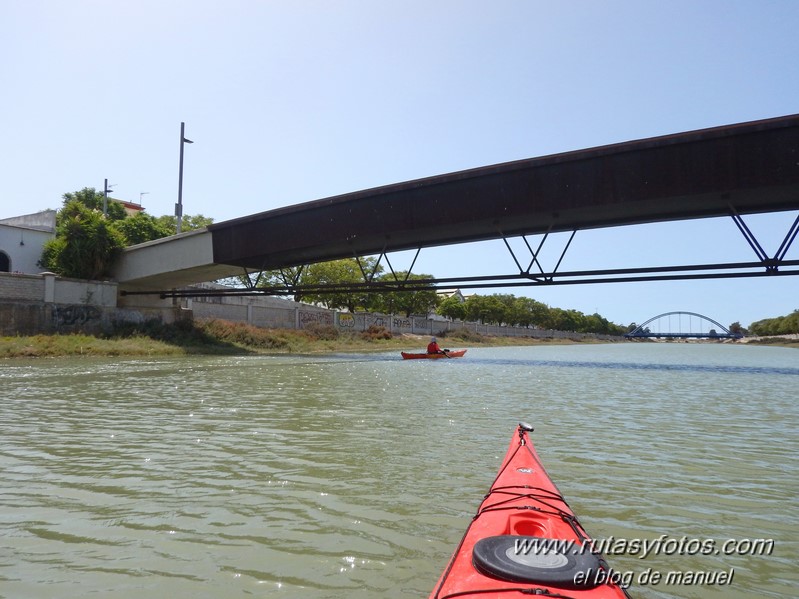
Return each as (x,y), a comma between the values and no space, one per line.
(324,318)
(346,321)
(375,321)
(401,323)
(421,323)
(74,315)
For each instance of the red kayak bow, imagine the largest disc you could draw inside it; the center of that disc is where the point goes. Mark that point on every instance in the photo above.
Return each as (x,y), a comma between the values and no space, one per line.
(525,540)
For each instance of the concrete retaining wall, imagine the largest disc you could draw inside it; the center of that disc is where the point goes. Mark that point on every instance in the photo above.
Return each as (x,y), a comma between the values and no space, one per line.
(33,304)
(39,318)
(21,287)
(47,304)
(50,288)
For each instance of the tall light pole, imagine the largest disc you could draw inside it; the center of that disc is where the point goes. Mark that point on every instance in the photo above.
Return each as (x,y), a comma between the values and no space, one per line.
(105,198)
(179,205)
(106,189)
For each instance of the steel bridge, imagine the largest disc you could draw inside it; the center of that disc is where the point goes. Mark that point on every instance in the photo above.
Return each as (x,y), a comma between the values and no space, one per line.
(732,171)
(703,330)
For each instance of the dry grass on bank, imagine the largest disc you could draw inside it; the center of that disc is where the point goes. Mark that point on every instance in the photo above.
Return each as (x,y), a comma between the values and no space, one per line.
(47,346)
(225,337)
(780,341)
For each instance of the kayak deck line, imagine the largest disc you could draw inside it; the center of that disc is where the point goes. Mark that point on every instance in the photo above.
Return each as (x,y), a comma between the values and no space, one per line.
(525,540)
(555,511)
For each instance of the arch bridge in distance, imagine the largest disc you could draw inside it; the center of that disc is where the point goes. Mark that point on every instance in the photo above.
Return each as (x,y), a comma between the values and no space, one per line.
(689,325)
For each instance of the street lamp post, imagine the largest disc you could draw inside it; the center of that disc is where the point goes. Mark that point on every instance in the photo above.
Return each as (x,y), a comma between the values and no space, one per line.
(105,198)
(179,205)
(106,189)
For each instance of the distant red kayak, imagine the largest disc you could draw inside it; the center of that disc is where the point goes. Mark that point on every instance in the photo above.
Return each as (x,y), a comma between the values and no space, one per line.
(525,540)
(423,356)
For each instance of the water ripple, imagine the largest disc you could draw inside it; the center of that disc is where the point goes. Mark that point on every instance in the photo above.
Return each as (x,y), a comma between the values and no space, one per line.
(355,475)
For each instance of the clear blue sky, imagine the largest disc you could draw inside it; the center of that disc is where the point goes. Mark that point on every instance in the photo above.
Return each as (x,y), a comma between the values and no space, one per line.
(295,101)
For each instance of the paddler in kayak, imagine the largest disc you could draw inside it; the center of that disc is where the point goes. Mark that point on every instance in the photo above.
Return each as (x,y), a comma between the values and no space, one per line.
(433,348)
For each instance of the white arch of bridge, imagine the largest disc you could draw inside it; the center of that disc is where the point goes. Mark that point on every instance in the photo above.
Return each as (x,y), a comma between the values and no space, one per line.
(640,328)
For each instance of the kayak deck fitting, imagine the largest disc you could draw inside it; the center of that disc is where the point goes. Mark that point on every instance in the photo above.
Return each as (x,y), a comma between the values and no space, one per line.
(525,540)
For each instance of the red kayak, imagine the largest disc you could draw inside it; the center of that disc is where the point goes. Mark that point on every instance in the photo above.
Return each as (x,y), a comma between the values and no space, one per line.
(424,356)
(525,540)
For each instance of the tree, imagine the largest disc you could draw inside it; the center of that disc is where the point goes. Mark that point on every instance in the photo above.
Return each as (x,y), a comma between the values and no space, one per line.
(85,245)
(94,200)
(334,272)
(601,326)
(510,316)
(188,223)
(487,309)
(452,307)
(538,311)
(419,301)
(518,311)
(337,272)
(524,311)
(566,320)
(781,325)
(283,277)
(143,227)
(87,242)
(736,328)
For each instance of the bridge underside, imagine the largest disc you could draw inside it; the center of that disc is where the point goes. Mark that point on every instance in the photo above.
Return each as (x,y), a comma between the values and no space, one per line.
(746,168)
(725,171)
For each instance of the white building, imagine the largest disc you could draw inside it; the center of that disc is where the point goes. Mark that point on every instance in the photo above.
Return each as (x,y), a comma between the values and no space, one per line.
(448,293)
(22,239)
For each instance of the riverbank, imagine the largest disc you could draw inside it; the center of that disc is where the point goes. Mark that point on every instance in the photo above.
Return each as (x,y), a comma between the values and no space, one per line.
(791,340)
(219,337)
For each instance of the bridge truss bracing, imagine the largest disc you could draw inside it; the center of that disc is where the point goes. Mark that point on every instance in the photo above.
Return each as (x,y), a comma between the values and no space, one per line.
(530,273)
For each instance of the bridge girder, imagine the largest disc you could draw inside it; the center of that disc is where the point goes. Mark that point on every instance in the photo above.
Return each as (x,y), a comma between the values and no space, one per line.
(739,169)
(724,171)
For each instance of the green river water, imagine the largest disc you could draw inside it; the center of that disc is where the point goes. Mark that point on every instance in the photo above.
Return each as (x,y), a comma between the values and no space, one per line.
(355,475)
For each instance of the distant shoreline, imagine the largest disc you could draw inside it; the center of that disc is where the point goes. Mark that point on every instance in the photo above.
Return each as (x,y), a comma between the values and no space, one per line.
(227,338)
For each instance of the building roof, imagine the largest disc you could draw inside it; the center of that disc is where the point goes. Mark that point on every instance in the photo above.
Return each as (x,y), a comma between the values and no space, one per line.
(38,221)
